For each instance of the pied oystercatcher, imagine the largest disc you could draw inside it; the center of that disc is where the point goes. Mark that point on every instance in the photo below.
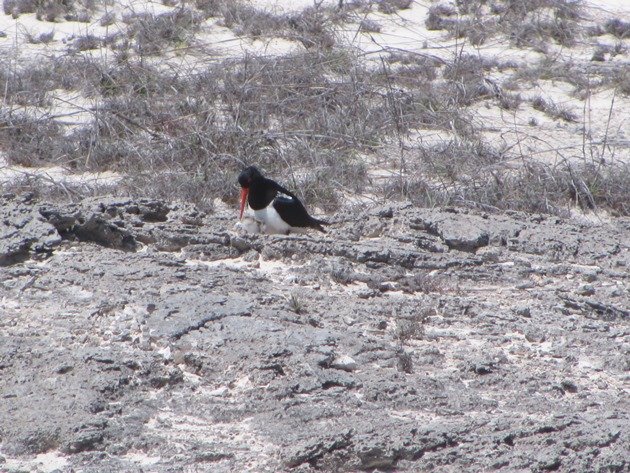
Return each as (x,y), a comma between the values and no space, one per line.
(277,209)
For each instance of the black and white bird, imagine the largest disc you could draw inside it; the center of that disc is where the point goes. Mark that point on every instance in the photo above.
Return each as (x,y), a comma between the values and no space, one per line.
(275,208)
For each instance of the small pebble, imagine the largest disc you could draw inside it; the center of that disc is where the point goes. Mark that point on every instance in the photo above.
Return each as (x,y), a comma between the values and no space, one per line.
(523,311)
(526,285)
(569,386)
(345,363)
(586,290)
(590,277)
(534,337)
(219,392)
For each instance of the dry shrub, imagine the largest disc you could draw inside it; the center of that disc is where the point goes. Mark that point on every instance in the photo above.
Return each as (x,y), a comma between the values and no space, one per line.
(30,83)
(533,187)
(550,108)
(86,43)
(108,19)
(528,23)
(510,101)
(27,140)
(53,10)
(410,70)
(621,80)
(44,188)
(534,22)
(618,28)
(17,7)
(369,26)
(27,87)
(184,133)
(245,19)
(536,32)
(553,189)
(313,27)
(313,112)
(570,9)
(134,79)
(42,38)
(441,17)
(392,6)
(151,32)
(580,77)
(474,26)
(466,82)
(457,160)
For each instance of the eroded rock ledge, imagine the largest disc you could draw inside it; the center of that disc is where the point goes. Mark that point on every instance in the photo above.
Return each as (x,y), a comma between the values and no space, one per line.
(137,334)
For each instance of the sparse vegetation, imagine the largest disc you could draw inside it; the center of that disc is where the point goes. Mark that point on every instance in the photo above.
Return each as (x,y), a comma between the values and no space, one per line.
(152,32)
(510,101)
(566,71)
(618,28)
(30,84)
(322,112)
(410,326)
(245,19)
(528,23)
(533,187)
(296,305)
(554,110)
(313,27)
(86,43)
(369,26)
(622,80)
(42,38)
(53,10)
(441,17)
(327,105)
(392,6)
(108,19)
(29,141)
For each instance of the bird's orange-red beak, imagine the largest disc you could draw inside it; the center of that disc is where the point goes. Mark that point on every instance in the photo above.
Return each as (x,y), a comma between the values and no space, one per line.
(244,194)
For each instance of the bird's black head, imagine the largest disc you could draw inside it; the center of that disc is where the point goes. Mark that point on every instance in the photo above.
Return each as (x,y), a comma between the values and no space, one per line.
(248,176)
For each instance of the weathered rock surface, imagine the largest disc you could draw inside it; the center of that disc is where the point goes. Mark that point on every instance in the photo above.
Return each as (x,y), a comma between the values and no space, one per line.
(144,336)
(23,231)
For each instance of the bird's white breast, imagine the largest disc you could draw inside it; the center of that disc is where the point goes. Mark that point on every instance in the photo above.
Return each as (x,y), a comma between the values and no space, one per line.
(271,220)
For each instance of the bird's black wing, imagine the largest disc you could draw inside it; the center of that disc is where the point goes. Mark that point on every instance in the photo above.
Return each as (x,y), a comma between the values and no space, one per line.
(293,212)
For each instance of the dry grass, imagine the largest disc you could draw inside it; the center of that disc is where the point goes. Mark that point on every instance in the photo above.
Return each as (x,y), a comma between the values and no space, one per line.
(618,28)
(528,23)
(47,189)
(392,6)
(581,77)
(310,111)
(151,33)
(533,187)
(42,38)
(410,323)
(53,10)
(554,110)
(312,115)
(621,80)
(313,27)
(32,83)
(27,140)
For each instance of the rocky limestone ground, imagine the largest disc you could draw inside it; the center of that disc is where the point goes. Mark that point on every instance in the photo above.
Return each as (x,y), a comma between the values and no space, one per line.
(138,335)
